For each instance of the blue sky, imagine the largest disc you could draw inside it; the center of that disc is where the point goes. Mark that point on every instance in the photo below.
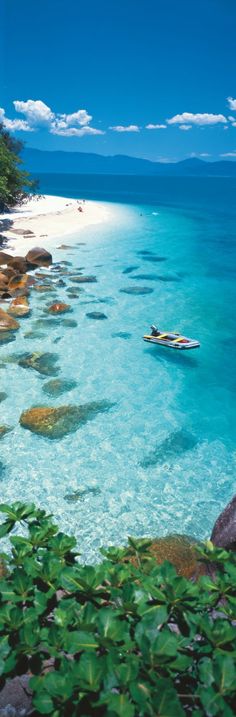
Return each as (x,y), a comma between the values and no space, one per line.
(93,76)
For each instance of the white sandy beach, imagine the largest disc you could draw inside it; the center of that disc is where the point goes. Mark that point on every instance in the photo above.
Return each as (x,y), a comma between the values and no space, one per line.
(48,218)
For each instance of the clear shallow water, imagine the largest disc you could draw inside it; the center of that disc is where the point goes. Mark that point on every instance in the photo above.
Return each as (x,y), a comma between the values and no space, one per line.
(163,458)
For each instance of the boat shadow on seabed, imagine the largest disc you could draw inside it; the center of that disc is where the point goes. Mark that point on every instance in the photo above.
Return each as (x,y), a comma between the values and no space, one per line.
(177,358)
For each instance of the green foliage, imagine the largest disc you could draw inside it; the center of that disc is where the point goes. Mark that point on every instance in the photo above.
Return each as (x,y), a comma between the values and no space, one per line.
(13,180)
(126,639)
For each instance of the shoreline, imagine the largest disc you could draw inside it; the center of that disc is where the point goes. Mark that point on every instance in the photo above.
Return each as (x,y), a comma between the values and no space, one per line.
(43,218)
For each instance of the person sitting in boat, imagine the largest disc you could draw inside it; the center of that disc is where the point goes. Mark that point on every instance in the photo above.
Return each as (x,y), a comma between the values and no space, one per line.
(155,331)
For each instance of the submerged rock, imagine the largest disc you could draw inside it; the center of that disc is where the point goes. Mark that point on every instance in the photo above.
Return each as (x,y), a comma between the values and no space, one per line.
(129,269)
(34,335)
(69,323)
(39,256)
(7,323)
(41,288)
(59,308)
(98,315)
(44,323)
(43,363)
(58,386)
(81,494)
(19,306)
(3,396)
(58,422)
(4,430)
(174,445)
(83,279)
(137,290)
(6,337)
(66,246)
(154,258)
(144,252)
(145,277)
(121,335)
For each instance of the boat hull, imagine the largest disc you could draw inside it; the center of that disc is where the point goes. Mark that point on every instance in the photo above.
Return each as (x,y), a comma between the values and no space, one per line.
(173,344)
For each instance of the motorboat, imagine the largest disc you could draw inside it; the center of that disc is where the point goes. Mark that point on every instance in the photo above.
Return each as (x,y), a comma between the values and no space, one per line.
(170,339)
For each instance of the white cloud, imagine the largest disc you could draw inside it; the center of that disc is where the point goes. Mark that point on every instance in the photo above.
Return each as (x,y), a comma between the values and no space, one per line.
(155,126)
(75,131)
(39,115)
(37,112)
(14,125)
(229,154)
(204,154)
(129,128)
(62,121)
(233,124)
(231,103)
(185,127)
(197,119)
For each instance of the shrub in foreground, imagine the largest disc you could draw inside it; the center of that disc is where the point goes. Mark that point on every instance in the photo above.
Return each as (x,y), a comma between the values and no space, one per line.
(126,638)
(14,181)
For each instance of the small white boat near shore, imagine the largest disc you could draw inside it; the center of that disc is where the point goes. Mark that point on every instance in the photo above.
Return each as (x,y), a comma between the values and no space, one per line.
(170,339)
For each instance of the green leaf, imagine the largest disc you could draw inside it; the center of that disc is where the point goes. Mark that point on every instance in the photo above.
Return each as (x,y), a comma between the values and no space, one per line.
(6,590)
(9,510)
(225,674)
(4,652)
(43,702)
(78,641)
(165,645)
(6,528)
(166,702)
(89,671)
(141,692)
(120,705)
(110,626)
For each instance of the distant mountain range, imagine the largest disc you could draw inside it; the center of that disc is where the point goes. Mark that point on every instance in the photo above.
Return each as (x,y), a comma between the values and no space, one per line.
(43,162)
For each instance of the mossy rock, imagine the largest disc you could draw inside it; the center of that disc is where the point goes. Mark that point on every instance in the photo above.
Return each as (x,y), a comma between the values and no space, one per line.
(56,423)
(180,551)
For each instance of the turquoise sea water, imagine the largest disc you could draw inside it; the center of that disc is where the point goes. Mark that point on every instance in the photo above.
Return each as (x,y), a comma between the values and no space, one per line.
(163,458)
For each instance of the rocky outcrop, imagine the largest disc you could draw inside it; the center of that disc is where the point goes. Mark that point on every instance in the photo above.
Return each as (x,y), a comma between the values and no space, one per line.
(39,257)
(7,323)
(4,258)
(18,284)
(19,264)
(224,531)
(56,423)
(19,307)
